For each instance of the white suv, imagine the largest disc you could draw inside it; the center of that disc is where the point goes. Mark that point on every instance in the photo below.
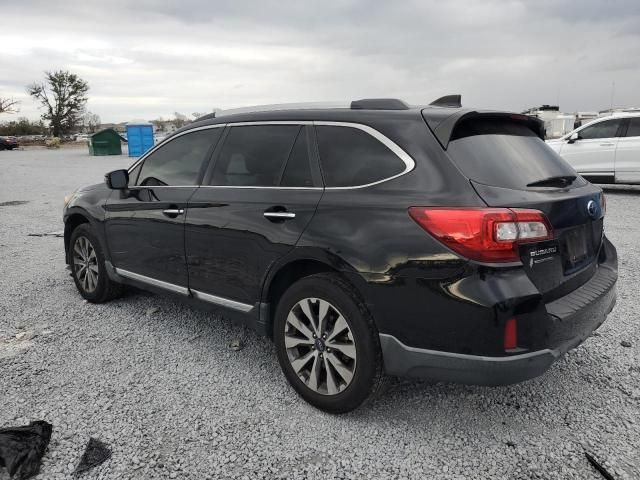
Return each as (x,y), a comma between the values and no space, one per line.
(606,150)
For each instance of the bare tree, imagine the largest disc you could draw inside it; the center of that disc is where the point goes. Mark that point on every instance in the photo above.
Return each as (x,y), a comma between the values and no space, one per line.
(158,124)
(63,95)
(8,105)
(91,122)
(180,120)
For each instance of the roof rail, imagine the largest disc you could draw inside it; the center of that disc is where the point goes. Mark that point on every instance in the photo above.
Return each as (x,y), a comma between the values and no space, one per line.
(379,104)
(208,116)
(451,101)
(282,106)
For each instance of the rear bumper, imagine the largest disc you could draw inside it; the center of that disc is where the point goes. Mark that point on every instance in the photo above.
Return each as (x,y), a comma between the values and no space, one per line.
(405,361)
(572,320)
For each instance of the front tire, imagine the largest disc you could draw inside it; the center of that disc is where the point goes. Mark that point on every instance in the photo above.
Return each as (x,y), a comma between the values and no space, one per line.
(327,344)
(88,267)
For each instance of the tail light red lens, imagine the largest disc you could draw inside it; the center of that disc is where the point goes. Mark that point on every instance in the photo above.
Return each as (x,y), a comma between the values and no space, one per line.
(488,235)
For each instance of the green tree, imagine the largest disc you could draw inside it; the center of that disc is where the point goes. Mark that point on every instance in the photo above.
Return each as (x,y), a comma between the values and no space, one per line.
(63,96)
(22,126)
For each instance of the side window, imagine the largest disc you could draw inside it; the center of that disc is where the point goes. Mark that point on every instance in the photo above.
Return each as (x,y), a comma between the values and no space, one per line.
(297,173)
(606,129)
(179,161)
(133,174)
(254,155)
(634,127)
(351,157)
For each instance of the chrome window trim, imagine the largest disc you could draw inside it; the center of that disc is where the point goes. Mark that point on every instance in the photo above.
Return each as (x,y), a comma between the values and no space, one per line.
(166,141)
(152,281)
(408,161)
(225,302)
(386,141)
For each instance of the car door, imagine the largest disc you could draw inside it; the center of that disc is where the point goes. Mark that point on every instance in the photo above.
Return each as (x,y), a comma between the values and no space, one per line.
(593,152)
(262,190)
(144,225)
(628,153)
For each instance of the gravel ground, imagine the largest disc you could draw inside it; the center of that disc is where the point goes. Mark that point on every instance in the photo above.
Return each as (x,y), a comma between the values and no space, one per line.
(163,389)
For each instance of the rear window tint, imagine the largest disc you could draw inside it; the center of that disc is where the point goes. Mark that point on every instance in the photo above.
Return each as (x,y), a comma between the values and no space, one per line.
(634,127)
(297,172)
(351,157)
(254,155)
(491,126)
(504,153)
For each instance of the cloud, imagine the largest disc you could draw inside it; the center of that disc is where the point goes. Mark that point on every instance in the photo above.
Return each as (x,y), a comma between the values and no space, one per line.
(149,58)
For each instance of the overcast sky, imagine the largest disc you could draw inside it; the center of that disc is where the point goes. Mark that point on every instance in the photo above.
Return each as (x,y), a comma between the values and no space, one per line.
(146,59)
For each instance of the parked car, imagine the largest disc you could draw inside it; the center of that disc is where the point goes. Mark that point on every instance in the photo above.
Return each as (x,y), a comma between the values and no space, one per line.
(8,143)
(381,239)
(82,137)
(606,150)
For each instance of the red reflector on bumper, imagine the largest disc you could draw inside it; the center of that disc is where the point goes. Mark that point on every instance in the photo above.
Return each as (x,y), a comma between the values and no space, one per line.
(511,334)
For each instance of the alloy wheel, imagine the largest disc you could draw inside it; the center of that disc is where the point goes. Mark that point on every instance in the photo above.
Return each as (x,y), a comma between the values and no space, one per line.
(85,263)
(320,346)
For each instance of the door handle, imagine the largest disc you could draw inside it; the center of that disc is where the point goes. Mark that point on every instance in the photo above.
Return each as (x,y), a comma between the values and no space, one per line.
(280,215)
(607,144)
(173,212)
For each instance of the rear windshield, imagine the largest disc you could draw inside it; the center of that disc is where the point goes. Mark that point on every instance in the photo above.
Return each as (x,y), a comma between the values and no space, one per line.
(505,153)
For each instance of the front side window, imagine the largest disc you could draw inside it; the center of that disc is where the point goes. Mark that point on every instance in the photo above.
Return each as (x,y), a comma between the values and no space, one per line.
(351,157)
(634,127)
(133,174)
(179,162)
(606,129)
(254,155)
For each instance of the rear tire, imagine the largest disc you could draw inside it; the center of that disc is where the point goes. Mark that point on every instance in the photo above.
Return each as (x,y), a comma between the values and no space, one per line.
(88,267)
(327,344)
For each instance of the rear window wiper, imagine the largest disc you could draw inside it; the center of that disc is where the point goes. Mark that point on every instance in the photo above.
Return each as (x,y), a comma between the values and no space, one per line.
(557,181)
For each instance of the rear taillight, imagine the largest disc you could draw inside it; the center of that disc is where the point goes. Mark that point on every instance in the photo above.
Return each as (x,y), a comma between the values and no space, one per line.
(484,234)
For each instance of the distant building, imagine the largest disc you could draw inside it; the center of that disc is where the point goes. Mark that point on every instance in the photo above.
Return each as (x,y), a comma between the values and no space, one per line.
(556,123)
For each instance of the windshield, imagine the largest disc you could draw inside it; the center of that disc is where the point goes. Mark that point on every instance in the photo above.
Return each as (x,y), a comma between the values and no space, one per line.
(504,153)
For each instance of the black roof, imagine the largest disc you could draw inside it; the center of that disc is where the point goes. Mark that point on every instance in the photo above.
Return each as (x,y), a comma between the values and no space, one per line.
(442,115)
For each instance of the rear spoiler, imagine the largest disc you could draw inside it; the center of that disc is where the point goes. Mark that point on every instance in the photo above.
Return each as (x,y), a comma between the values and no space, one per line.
(443,121)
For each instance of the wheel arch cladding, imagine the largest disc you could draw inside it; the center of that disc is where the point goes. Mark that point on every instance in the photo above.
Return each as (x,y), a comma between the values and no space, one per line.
(290,273)
(70,225)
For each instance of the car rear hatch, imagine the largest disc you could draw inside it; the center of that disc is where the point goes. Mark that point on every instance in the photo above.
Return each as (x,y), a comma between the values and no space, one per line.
(509,165)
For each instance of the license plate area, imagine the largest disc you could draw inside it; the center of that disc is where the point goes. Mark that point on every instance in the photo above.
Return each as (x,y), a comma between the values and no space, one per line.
(576,251)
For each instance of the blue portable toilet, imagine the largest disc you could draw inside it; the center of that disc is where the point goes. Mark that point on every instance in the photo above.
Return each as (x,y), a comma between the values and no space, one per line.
(139,138)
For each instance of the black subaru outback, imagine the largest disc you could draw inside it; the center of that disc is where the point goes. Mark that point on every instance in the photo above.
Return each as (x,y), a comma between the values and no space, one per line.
(381,238)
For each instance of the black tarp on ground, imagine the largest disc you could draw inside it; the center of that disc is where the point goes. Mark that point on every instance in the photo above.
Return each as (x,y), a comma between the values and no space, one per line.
(22,448)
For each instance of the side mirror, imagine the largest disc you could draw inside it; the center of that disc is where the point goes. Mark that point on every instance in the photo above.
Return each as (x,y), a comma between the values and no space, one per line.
(574,136)
(117,180)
